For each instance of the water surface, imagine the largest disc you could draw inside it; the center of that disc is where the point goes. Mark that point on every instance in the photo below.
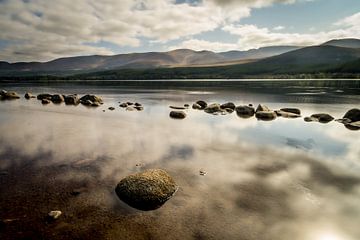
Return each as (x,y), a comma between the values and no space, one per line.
(284,179)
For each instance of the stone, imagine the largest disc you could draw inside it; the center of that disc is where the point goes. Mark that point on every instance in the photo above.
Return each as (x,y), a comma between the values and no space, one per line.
(186,105)
(228,105)
(72,99)
(123,105)
(319,117)
(245,111)
(178,114)
(353,115)
(54,214)
(45,101)
(111,108)
(4,95)
(139,108)
(137,104)
(129,103)
(57,98)
(177,107)
(196,106)
(129,108)
(202,104)
(291,110)
(283,114)
(44,96)
(93,99)
(265,115)
(29,95)
(213,108)
(262,108)
(147,190)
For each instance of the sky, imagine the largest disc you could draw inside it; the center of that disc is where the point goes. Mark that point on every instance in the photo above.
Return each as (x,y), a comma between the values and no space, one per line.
(42,30)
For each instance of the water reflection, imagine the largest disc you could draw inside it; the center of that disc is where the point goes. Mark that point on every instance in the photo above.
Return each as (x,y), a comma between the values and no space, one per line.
(285,179)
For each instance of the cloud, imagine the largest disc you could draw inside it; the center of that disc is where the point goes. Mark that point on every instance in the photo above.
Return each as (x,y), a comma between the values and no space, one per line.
(279,28)
(43,30)
(198,45)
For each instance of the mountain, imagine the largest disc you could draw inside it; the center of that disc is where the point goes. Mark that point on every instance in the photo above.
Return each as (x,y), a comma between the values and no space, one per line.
(347,43)
(258,53)
(175,58)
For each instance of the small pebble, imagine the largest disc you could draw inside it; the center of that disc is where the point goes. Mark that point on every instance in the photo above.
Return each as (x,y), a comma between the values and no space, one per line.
(54,214)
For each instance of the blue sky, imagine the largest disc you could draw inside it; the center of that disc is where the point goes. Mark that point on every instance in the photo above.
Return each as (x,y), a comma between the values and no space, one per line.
(41,30)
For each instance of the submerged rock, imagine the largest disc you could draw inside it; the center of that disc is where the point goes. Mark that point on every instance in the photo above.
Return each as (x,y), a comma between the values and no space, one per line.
(228,105)
(283,114)
(319,117)
(72,99)
(91,100)
(353,115)
(29,95)
(177,107)
(196,106)
(265,115)
(44,96)
(178,114)
(123,105)
(4,95)
(45,101)
(291,110)
(245,111)
(147,190)
(57,98)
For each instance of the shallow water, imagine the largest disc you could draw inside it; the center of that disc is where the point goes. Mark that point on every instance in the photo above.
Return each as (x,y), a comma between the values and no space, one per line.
(283,179)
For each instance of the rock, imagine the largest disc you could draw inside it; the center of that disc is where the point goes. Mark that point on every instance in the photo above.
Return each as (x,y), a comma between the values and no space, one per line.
(202,172)
(45,101)
(353,126)
(4,95)
(343,120)
(283,114)
(228,105)
(57,98)
(265,115)
(130,109)
(262,108)
(29,95)
(250,105)
(245,111)
(176,107)
(186,105)
(137,104)
(139,108)
(178,114)
(123,105)
(202,104)
(93,99)
(54,214)
(129,103)
(44,96)
(291,110)
(196,106)
(353,115)
(111,108)
(213,108)
(319,117)
(147,190)
(72,99)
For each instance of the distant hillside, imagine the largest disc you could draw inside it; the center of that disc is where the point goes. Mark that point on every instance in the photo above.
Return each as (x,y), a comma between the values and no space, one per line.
(347,43)
(175,58)
(264,52)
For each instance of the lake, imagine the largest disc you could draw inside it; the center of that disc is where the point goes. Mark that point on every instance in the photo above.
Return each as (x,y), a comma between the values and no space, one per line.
(282,179)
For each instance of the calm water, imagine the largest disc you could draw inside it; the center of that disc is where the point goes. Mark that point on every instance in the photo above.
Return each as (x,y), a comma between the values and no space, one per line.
(284,179)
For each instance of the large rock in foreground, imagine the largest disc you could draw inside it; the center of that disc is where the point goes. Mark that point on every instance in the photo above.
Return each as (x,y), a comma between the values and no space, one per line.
(245,111)
(148,190)
(319,117)
(91,100)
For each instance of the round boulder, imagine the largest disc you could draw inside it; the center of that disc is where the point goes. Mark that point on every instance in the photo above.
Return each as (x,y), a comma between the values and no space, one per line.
(202,104)
(57,98)
(147,190)
(319,117)
(245,111)
(265,115)
(71,99)
(229,105)
(28,95)
(353,115)
(178,114)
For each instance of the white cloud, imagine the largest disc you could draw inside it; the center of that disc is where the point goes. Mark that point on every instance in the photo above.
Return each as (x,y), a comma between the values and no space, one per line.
(198,45)
(42,29)
(278,28)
